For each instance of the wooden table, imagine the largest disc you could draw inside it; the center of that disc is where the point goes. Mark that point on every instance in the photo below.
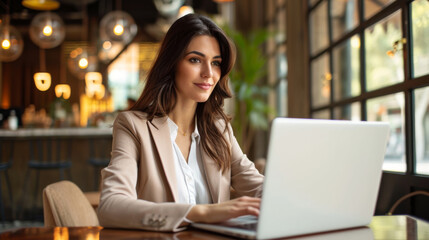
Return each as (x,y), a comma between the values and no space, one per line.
(381,227)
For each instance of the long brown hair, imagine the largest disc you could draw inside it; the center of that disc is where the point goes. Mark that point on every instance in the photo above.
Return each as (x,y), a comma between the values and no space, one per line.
(159,95)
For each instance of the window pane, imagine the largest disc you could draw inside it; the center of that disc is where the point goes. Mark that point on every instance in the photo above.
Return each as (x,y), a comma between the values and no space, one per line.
(421,129)
(320,81)
(390,109)
(345,17)
(323,114)
(420,20)
(346,69)
(372,7)
(383,69)
(282,98)
(348,112)
(319,28)
(126,73)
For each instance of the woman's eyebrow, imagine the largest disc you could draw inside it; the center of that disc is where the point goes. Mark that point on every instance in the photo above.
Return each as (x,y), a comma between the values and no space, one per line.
(200,54)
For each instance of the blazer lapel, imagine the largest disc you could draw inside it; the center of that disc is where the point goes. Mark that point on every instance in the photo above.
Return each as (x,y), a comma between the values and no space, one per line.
(213,175)
(161,136)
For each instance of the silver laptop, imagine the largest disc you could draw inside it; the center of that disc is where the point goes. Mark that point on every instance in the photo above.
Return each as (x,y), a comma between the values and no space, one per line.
(321,175)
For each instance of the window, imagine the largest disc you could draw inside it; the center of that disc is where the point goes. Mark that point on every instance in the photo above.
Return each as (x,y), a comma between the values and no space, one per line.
(277,62)
(369,60)
(127,73)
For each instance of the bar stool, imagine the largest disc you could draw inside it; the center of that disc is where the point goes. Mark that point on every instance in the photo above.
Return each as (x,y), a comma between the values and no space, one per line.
(47,154)
(99,151)
(6,159)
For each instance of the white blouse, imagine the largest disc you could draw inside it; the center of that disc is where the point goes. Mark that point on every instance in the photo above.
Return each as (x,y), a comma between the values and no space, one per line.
(191,180)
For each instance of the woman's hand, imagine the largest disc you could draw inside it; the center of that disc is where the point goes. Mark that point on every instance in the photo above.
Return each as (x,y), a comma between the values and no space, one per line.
(212,213)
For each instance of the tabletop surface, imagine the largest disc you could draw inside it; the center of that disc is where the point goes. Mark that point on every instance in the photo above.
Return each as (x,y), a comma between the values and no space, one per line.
(381,227)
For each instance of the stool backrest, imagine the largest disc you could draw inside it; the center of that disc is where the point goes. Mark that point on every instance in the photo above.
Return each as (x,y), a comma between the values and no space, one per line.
(65,205)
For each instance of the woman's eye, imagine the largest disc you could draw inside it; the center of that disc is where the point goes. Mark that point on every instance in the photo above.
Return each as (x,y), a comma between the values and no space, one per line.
(194,60)
(216,63)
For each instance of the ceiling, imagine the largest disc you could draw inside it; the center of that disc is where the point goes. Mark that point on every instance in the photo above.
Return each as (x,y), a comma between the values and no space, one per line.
(73,12)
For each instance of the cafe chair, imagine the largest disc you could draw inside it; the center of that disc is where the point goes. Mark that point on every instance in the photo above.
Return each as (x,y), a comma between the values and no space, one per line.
(6,159)
(65,205)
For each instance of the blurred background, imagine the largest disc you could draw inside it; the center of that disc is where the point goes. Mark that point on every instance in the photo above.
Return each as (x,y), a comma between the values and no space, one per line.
(68,66)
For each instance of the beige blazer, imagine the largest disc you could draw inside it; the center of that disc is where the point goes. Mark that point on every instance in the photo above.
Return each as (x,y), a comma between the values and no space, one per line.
(139,188)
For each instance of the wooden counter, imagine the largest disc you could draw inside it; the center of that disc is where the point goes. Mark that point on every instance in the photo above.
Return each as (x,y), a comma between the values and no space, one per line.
(80,145)
(53,132)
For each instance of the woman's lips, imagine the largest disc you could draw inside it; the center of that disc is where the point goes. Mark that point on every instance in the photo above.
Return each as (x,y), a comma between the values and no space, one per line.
(204,86)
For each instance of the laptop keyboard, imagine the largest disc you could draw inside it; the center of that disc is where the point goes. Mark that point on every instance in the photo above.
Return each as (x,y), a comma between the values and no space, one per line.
(244,222)
(248,226)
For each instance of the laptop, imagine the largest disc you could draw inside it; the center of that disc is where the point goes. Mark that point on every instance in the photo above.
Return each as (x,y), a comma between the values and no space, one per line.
(321,175)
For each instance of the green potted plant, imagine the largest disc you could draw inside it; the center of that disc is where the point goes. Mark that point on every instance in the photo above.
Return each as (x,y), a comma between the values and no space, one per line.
(250,91)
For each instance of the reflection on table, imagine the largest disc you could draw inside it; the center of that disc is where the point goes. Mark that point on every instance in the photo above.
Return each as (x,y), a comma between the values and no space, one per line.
(381,227)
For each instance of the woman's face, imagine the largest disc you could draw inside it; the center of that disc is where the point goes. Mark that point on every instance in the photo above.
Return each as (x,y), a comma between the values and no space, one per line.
(198,72)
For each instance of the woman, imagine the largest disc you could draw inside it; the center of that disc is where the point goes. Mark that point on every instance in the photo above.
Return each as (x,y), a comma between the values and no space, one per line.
(174,156)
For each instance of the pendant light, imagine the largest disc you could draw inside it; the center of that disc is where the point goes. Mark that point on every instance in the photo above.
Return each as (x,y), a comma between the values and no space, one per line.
(185,10)
(10,40)
(118,26)
(41,4)
(83,59)
(63,89)
(42,79)
(168,8)
(47,30)
(94,86)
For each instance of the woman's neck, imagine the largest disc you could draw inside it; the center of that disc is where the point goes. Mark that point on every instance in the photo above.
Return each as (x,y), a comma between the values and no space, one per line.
(184,116)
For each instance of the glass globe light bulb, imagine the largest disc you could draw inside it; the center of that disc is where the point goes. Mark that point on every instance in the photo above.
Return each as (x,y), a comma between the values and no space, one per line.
(11,43)
(118,30)
(118,26)
(168,8)
(83,63)
(47,30)
(5,44)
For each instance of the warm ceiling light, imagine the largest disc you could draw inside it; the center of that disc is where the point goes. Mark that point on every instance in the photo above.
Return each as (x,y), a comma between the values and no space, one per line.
(42,80)
(5,44)
(94,86)
(107,45)
(118,26)
(168,8)
(83,63)
(47,30)
(118,30)
(63,90)
(41,4)
(11,42)
(98,91)
(93,78)
(185,10)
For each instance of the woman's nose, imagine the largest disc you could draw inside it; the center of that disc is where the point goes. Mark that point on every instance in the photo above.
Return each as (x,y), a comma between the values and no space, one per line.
(207,71)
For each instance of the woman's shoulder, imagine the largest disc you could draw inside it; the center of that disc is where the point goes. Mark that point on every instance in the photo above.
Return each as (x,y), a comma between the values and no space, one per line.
(131,117)
(132,114)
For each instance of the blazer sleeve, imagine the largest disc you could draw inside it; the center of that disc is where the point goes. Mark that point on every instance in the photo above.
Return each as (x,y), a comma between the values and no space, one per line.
(245,178)
(119,205)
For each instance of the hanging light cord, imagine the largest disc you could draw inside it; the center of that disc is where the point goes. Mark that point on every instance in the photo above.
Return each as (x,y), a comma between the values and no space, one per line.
(42,60)
(63,74)
(405,197)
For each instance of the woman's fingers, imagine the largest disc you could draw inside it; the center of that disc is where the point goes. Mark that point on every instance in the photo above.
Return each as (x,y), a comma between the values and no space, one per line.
(212,213)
